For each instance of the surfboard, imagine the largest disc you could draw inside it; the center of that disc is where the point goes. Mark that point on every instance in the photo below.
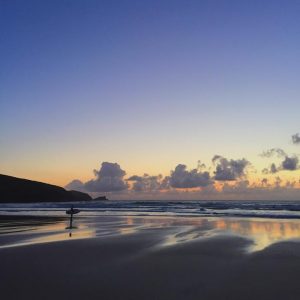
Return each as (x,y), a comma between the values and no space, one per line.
(72,211)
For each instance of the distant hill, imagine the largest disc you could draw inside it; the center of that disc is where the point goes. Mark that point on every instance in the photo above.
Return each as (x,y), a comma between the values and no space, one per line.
(18,190)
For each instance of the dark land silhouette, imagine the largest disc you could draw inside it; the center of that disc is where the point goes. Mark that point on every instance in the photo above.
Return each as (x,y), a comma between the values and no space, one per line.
(18,190)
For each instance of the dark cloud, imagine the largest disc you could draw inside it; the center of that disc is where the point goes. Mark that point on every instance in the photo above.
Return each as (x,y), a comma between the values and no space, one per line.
(75,185)
(146,183)
(181,178)
(216,157)
(272,170)
(296,138)
(110,170)
(110,178)
(228,170)
(135,178)
(290,163)
(272,152)
(201,166)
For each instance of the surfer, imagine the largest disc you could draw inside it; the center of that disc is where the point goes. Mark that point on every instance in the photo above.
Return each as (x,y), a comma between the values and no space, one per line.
(72,211)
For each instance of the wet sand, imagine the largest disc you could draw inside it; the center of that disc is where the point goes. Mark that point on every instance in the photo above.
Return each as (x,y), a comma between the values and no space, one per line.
(141,265)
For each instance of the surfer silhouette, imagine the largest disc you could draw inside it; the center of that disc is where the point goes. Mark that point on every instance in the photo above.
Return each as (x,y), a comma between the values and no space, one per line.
(72,211)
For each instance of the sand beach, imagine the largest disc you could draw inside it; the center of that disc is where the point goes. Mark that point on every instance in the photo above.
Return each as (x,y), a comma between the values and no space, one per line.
(158,258)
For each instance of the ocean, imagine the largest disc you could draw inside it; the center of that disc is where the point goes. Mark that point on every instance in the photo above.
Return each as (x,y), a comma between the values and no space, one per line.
(258,209)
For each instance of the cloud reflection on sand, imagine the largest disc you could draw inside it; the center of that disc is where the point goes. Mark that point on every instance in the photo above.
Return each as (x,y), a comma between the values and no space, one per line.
(262,232)
(174,230)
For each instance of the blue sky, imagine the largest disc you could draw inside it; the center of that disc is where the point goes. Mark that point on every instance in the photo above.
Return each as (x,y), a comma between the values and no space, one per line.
(147,84)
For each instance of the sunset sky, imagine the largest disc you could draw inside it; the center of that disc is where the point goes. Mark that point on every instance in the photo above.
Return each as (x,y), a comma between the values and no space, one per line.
(133,87)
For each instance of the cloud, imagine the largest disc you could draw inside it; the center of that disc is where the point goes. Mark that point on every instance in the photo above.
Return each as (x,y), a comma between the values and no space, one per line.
(272,152)
(229,170)
(238,187)
(75,185)
(242,190)
(290,184)
(146,183)
(135,178)
(181,178)
(264,182)
(296,138)
(193,184)
(290,163)
(272,170)
(110,178)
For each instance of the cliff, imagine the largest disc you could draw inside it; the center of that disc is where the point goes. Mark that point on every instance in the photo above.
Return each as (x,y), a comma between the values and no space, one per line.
(18,190)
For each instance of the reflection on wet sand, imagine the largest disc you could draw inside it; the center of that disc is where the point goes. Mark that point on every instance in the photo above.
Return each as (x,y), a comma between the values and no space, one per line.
(75,234)
(263,232)
(49,233)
